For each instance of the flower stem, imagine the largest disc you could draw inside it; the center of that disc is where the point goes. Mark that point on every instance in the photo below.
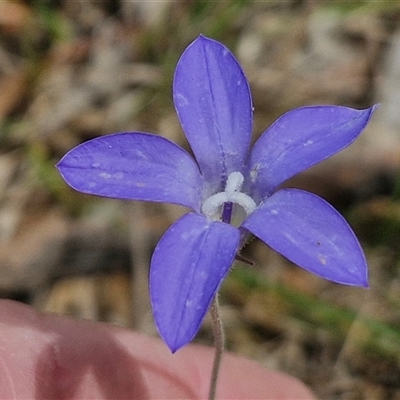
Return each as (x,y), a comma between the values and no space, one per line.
(219,341)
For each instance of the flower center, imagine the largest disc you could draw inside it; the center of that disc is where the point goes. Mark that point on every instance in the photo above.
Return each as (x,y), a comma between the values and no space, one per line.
(231,195)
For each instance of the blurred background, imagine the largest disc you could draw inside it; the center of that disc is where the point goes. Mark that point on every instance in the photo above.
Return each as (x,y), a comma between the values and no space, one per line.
(74,70)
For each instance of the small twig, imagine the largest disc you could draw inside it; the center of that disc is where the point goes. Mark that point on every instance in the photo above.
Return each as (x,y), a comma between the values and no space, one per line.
(219,341)
(139,242)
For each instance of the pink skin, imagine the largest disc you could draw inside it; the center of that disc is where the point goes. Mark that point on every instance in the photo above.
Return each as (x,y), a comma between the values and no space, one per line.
(54,357)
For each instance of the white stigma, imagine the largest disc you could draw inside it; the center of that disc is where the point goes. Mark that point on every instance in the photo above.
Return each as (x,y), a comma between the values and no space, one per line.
(234,182)
(231,194)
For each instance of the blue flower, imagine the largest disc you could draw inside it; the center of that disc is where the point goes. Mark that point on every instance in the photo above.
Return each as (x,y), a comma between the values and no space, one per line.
(230,190)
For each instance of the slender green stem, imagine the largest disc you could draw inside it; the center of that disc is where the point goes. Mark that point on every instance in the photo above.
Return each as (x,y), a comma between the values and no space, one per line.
(219,341)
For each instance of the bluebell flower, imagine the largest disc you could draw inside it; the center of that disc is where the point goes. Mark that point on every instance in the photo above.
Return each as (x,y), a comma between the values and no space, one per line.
(231,192)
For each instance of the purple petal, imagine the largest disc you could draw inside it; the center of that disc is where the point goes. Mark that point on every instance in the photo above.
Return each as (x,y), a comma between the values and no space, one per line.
(311,233)
(299,139)
(187,267)
(213,102)
(137,166)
